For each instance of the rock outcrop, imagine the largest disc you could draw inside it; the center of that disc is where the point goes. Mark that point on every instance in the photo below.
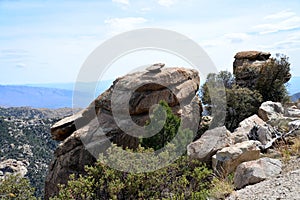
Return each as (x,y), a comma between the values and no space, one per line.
(13,167)
(247,67)
(252,172)
(104,121)
(251,68)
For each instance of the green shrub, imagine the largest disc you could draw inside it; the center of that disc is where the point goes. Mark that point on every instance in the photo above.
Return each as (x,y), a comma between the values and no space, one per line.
(240,102)
(170,128)
(14,187)
(272,79)
(185,178)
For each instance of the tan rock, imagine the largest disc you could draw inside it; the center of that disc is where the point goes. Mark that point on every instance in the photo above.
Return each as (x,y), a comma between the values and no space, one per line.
(226,160)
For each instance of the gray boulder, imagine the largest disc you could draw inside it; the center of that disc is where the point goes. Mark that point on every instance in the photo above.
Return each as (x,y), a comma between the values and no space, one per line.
(241,133)
(270,110)
(252,172)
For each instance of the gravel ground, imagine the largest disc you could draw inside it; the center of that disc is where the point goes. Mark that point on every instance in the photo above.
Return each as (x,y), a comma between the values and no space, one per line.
(284,186)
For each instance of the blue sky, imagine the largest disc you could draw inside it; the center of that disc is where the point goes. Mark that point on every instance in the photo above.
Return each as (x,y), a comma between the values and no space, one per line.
(48,41)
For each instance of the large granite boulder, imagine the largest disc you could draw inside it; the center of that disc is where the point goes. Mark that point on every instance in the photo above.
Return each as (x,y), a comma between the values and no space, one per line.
(123,108)
(253,172)
(210,142)
(249,68)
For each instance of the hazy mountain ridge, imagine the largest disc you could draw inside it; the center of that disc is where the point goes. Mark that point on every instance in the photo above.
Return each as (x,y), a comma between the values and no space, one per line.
(59,95)
(46,97)
(295,97)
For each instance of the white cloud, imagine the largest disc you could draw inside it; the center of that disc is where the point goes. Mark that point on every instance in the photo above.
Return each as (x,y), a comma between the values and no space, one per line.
(166,3)
(124,2)
(282,21)
(281,15)
(124,24)
(291,42)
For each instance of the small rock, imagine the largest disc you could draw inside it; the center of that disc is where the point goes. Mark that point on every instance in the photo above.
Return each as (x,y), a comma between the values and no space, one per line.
(156,67)
(12,166)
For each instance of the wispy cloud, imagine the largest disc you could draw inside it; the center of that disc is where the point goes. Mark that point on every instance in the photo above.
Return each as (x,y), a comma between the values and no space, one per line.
(291,42)
(124,24)
(282,21)
(13,54)
(281,15)
(229,38)
(166,3)
(126,2)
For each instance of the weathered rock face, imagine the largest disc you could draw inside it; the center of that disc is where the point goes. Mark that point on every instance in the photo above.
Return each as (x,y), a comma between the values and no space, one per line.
(247,67)
(209,143)
(241,133)
(132,95)
(253,172)
(226,160)
(13,167)
(270,110)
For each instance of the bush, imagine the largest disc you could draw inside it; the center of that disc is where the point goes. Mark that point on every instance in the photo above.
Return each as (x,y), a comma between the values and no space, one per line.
(14,187)
(272,79)
(240,102)
(170,128)
(183,179)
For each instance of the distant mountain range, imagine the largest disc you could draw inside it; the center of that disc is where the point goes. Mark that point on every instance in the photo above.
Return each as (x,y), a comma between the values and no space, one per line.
(295,97)
(49,95)
(59,95)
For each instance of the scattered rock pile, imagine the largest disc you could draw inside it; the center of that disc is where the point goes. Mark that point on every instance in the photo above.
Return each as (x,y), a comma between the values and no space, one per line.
(243,151)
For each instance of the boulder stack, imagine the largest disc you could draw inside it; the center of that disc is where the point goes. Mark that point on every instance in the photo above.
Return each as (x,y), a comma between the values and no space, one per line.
(133,95)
